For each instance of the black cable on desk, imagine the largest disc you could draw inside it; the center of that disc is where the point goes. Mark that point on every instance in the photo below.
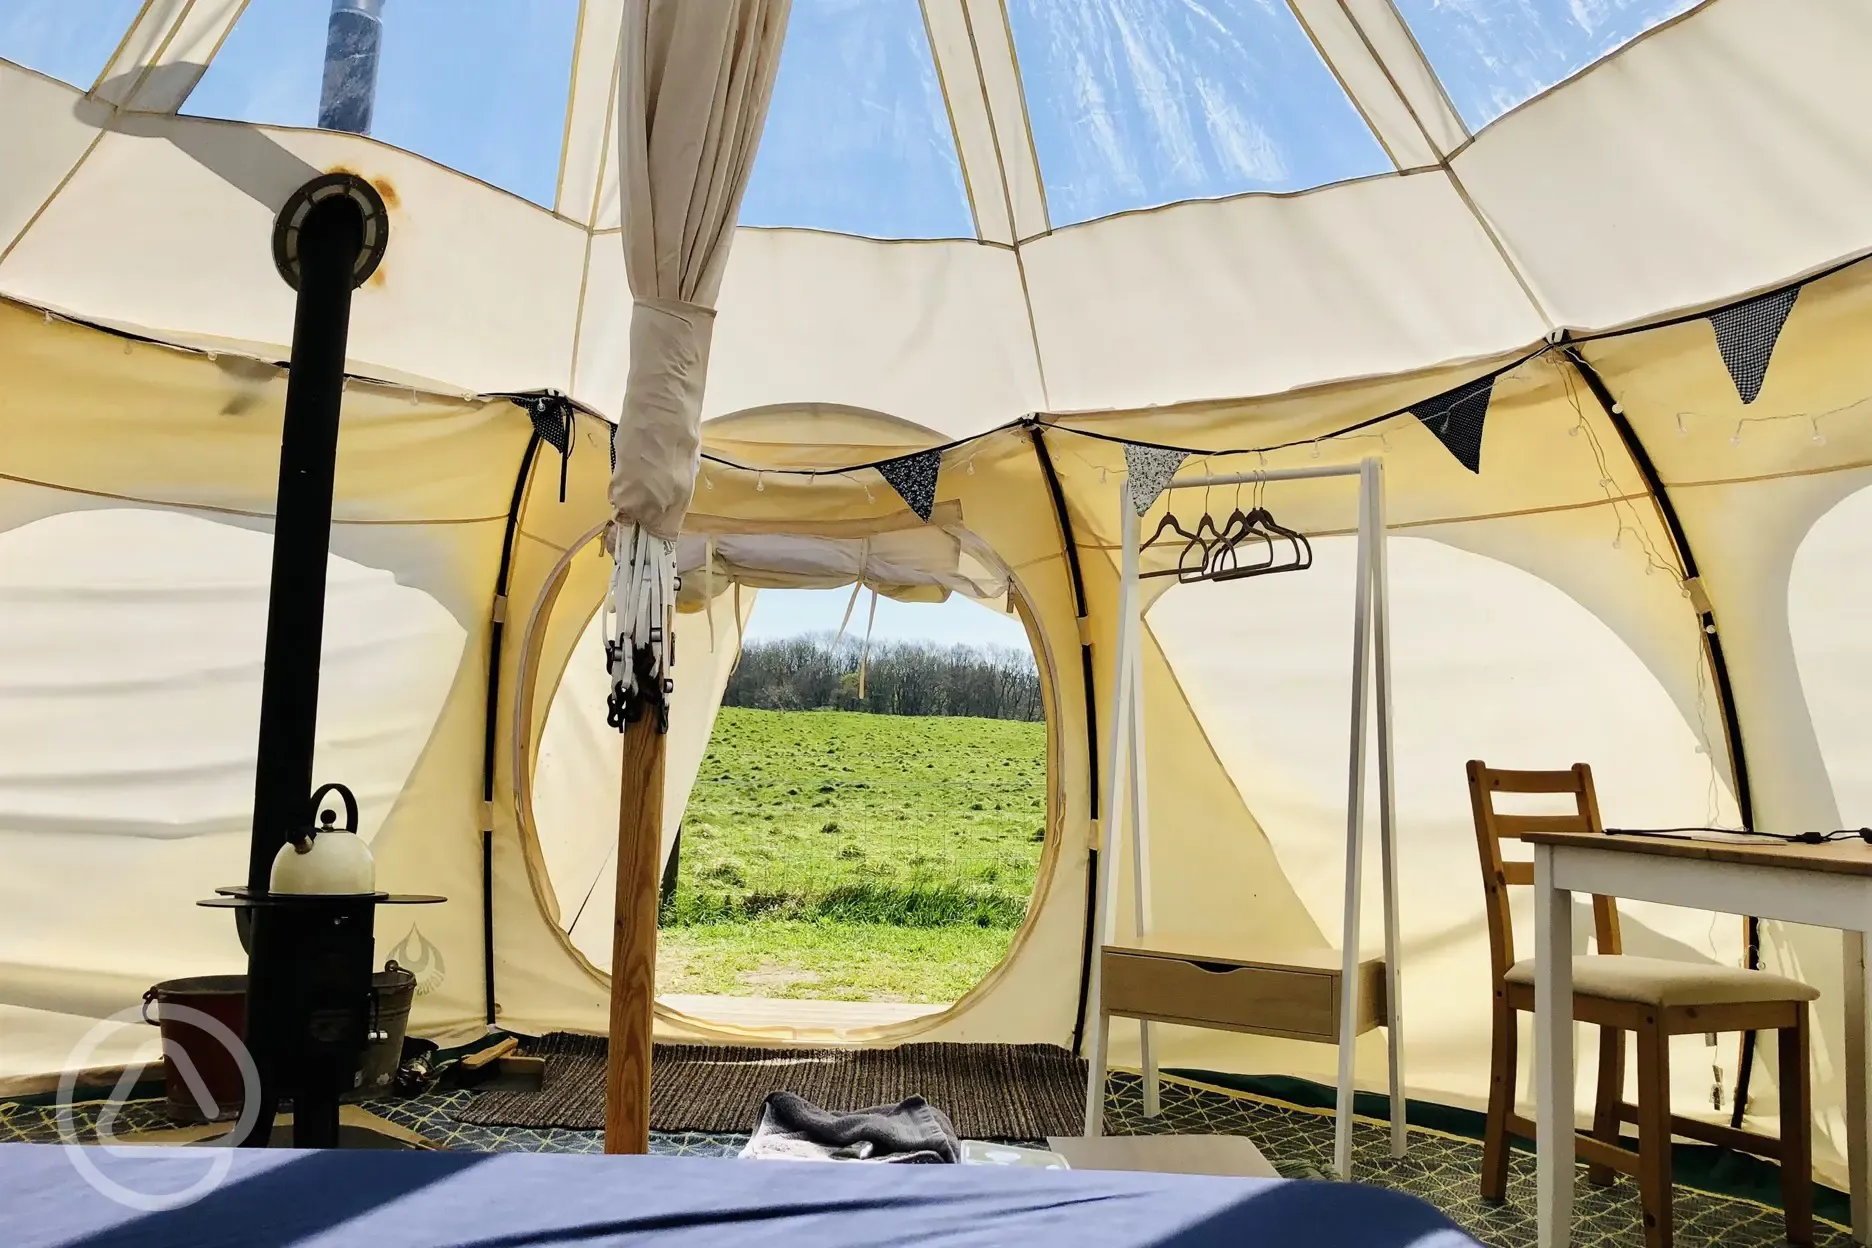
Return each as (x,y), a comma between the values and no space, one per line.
(1789,838)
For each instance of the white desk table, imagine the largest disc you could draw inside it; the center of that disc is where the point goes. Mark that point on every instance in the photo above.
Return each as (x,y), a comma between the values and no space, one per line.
(1818,885)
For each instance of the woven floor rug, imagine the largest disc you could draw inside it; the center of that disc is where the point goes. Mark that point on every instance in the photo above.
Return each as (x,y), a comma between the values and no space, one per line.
(990,1091)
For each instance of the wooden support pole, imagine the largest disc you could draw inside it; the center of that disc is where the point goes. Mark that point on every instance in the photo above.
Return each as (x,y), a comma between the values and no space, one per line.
(633,939)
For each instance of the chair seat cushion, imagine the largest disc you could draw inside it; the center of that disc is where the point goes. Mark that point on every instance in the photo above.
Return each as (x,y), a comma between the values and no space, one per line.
(1663,982)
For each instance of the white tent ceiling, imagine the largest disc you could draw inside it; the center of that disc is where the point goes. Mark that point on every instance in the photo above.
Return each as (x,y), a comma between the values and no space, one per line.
(1072,206)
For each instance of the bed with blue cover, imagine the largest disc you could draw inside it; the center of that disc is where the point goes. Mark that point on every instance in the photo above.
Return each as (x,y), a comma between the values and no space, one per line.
(365,1199)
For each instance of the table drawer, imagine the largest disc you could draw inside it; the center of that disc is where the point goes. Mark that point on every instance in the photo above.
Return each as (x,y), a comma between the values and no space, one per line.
(1296,1002)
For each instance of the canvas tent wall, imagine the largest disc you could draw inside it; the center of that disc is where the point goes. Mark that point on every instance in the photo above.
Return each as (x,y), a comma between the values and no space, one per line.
(1540,611)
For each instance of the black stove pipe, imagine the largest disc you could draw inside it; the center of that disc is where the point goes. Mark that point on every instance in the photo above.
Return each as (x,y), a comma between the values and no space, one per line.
(329,244)
(328,239)
(353,43)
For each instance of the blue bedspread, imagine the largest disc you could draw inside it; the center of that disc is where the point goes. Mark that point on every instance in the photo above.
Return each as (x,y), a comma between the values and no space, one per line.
(273,1199)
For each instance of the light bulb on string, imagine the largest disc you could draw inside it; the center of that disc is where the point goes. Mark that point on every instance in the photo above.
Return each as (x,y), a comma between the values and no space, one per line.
(1735,439)
(1681,431)
(1819,439)
(708,482)
(760,483)
(1316,453)
(971,466)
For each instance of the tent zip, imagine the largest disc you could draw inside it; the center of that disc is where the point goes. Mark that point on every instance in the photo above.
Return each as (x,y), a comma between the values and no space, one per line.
(1712,649)
(1076,575)
(496,628)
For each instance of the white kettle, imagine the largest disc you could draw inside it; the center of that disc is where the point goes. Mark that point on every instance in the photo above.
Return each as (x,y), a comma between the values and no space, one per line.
(327,860)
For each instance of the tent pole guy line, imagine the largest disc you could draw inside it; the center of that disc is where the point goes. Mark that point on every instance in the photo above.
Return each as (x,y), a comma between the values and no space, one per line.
(496,631)
(1667,511)
(1719,669)
(1076,575)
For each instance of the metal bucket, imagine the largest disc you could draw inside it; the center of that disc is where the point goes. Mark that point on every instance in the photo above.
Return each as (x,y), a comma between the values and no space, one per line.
(202,1079)
(393,989)
(194,1056)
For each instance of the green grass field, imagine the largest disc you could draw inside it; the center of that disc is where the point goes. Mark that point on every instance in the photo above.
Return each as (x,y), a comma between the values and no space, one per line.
(854,857)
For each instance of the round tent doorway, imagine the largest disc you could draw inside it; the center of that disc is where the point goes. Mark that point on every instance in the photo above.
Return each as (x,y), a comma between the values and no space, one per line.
(867,822)
(858,797)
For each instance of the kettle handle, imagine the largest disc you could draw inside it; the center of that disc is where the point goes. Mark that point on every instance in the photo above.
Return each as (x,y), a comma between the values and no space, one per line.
(350,804)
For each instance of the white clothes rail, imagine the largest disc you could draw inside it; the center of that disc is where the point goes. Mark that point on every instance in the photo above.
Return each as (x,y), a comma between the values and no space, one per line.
(1125,759)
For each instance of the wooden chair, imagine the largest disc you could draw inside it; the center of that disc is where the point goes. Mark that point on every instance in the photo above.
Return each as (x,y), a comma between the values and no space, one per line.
(1654,998)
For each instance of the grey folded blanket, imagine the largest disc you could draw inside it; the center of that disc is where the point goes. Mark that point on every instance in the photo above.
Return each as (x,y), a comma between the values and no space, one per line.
(913,1132)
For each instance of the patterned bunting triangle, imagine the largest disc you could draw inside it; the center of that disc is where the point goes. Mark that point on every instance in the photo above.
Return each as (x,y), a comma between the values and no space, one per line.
(1746,335)
(555,421)
(1150,469)
(1456,418)
(914,479)
(552,420)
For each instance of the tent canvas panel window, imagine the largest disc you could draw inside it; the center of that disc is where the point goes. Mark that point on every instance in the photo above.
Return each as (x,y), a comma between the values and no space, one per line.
(477,86)
(70,42)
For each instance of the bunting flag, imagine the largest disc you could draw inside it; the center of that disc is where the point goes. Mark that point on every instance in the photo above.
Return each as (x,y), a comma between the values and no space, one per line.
(1456,418)
(1150,469)
(1746,335)
(914,479)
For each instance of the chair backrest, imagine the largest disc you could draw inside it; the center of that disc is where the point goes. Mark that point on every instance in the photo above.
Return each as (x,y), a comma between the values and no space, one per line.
(1491,825)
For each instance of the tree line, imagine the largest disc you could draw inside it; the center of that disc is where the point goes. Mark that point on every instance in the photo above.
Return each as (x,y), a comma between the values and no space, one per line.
(901,678)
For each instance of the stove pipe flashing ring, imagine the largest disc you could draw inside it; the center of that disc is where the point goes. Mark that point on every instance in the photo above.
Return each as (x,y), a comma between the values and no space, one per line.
(289,227)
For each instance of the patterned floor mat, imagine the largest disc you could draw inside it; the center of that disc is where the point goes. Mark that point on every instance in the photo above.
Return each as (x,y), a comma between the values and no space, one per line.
(1441,1169)
(428,1116)
(990,1091)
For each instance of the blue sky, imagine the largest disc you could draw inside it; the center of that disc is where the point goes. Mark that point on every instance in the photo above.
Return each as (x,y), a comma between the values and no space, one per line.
(1141,102)
(68,39)
(479,85)
(1494,54)
(1132,103)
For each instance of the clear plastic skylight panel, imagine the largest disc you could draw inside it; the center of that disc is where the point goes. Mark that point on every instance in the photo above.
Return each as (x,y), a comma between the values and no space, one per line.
(1495,54)
(477,85)
(71,40)
(858,139)
(1135,103)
